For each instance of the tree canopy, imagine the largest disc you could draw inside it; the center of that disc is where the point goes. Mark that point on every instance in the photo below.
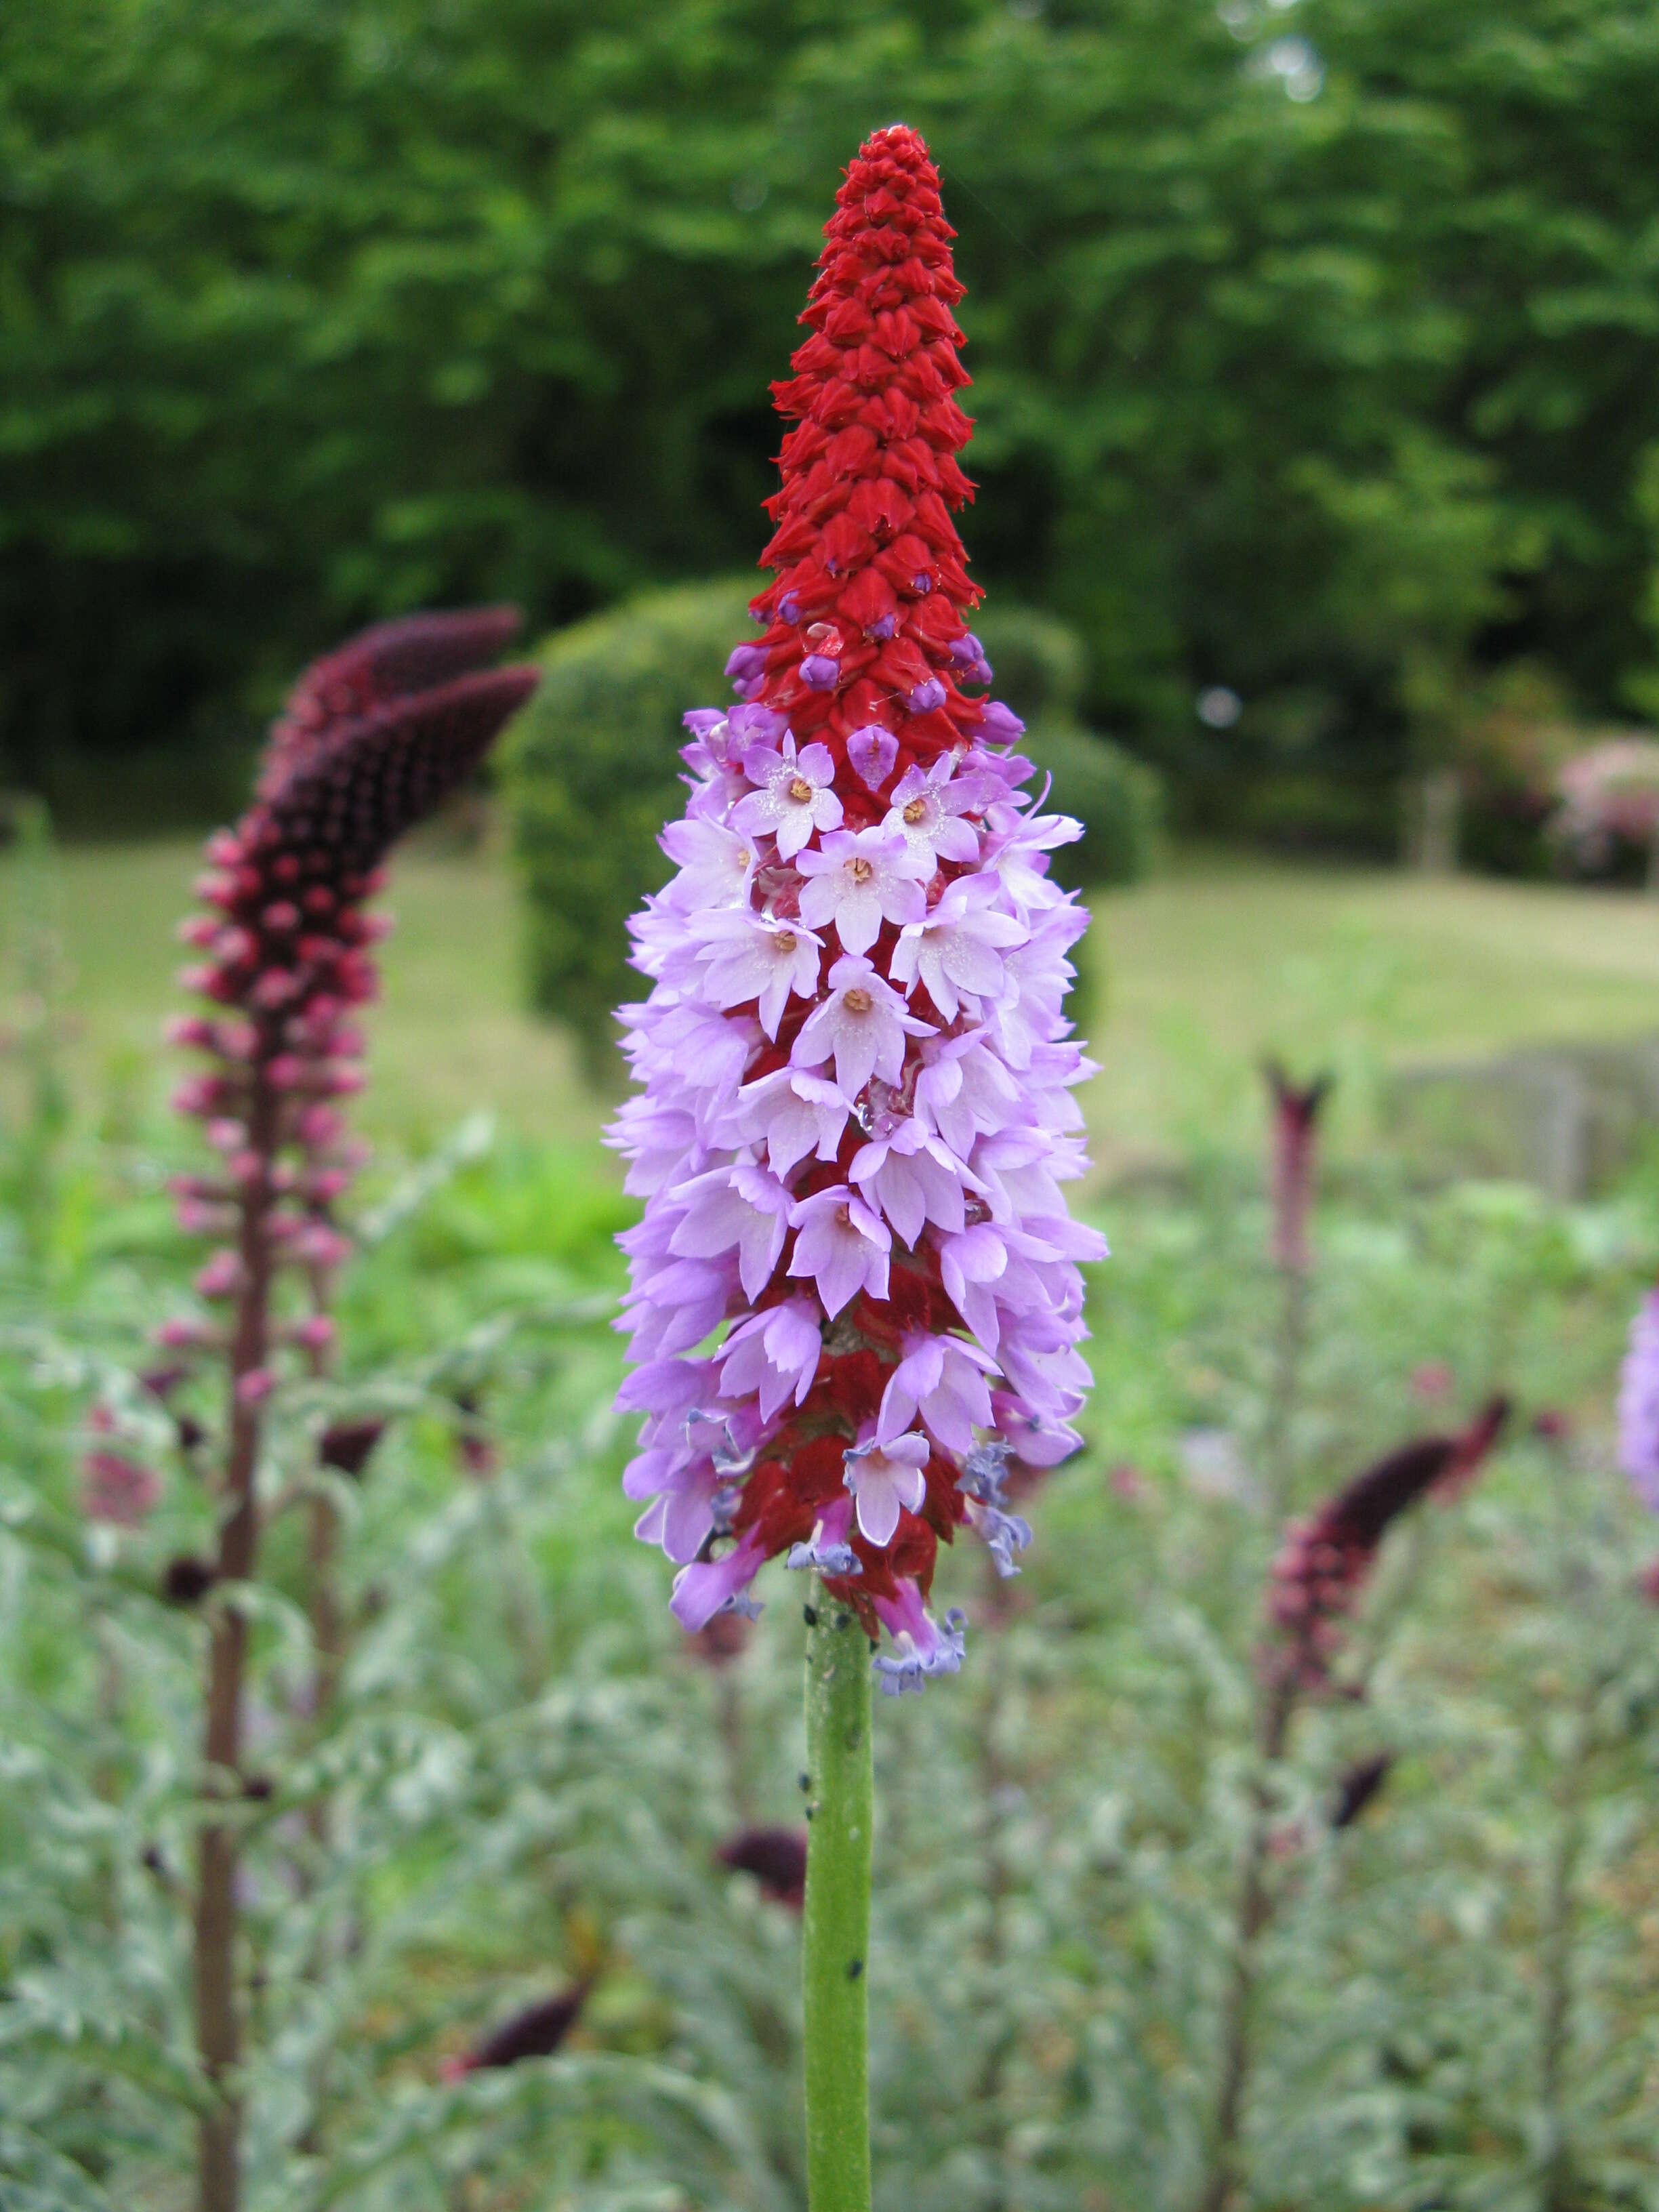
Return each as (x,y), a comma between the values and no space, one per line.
(1315,346)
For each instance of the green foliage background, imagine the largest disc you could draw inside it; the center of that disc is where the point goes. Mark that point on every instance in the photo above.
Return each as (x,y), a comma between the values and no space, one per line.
(1316,348)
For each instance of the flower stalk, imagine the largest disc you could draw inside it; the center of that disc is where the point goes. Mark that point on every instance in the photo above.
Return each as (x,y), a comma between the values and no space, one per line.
(836,1936)
(1324,1566)
(1296,1111)
(373,739)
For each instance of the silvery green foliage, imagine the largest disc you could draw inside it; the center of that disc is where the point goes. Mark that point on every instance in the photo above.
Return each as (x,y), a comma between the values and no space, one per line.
(527,1776)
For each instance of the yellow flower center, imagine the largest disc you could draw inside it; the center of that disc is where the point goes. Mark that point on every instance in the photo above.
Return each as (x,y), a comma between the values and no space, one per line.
(862,871)
(785,940)
(915,811)
(858,1001)
(800,791)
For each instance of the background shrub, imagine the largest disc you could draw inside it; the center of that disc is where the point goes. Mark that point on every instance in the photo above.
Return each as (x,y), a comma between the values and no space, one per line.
(1042,664)
(592,775)
(1042,668)
(1118,799)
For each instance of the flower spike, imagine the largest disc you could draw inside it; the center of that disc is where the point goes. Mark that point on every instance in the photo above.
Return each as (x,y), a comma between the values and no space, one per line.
(856,1121)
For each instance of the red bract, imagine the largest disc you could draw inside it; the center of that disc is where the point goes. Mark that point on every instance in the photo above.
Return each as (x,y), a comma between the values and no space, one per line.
(776,1857)
(1326,1561)
(1295,1119)
(535,2033)
(865,621)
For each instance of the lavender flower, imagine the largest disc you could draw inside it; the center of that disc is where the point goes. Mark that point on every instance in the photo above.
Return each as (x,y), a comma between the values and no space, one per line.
(1638,1404)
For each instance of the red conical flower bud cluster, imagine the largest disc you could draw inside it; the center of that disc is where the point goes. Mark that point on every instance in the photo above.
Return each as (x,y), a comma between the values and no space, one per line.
(866,623)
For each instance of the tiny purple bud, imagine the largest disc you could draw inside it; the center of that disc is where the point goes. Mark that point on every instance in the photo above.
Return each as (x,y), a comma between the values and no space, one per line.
(927,697)
(1000,724)
(789,608)
(872,751)
(819,672)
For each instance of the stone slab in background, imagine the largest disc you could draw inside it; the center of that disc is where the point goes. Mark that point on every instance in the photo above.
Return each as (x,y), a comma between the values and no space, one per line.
(1568,1117)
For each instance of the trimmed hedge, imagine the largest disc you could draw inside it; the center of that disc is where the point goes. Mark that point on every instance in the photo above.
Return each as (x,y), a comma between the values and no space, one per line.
(1041,665)
(591,773)
(1042,670)
(592,770)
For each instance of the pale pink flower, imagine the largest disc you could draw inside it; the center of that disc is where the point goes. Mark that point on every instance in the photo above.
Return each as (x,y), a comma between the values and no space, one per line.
(927,811)
(742,1207)
(707,1587)
(863,1022)
(793,1113)
(794,798)
(943,1379)
(885,1477)
(774,1353)
(716,866)
(958,946)
(842,1246)
(914,1178)
(750,956)
(872,752)
(859,879)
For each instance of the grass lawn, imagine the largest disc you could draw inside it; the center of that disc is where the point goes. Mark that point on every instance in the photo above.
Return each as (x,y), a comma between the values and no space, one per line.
(1187,981)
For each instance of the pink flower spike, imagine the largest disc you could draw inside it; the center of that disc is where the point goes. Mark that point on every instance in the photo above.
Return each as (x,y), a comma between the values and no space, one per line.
(750,956)
(842,1246)
(919,1059)
(885,1477)
(255,1387)
(863,1023)
(859,878)
(795,797)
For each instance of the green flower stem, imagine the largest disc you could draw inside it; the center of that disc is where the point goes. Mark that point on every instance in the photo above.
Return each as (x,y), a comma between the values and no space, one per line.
(841,1806)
